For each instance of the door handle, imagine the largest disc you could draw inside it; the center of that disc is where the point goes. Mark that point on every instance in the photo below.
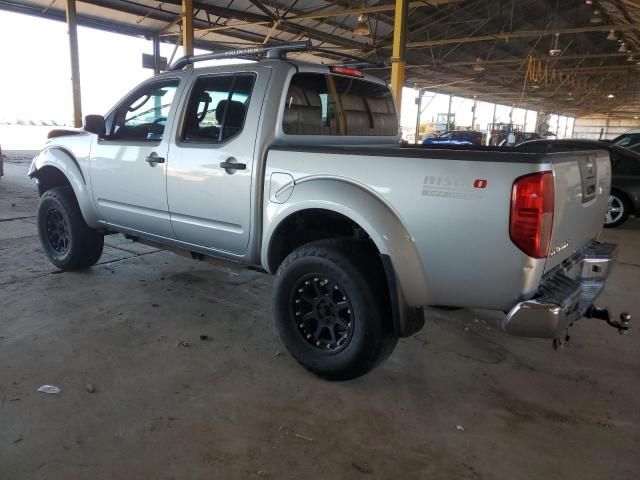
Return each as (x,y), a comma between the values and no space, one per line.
(153,159)
(228,165)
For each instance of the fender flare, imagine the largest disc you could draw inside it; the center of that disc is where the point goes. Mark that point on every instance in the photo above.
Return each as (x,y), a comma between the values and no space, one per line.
(398,253)
(62,160)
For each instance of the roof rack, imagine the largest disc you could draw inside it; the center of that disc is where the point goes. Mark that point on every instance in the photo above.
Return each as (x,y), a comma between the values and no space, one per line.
(273,51)
(278,50)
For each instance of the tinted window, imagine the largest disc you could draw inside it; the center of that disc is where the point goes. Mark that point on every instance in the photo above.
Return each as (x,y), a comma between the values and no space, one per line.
(320,104)
(144,114)
(630,141)
(217,108)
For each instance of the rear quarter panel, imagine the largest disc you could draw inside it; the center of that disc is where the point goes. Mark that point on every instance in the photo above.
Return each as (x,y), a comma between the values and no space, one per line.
(460,232)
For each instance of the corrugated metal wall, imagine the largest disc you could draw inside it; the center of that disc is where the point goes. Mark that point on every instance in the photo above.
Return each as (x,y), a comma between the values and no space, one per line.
(590,127)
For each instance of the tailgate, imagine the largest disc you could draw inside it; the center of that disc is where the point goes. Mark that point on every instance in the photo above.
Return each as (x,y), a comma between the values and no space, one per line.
(582,181)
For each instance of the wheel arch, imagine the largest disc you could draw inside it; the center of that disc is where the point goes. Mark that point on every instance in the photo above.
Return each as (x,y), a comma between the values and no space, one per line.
(377,221)
(57,167)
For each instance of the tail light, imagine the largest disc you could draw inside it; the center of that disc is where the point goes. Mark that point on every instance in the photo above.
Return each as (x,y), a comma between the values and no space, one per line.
(532,213)
(352,72)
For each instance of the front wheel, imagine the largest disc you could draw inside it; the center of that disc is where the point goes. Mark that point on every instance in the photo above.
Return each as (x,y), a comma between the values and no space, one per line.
(617,211)
(331,311)
(66,239)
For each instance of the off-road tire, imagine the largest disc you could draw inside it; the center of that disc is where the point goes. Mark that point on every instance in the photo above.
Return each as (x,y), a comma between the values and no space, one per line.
(354,271)
(83,245)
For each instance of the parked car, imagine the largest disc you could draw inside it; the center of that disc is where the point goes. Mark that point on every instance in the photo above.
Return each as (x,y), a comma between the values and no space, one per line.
(295,169)
(624,199)
(519,137)
(629,140)
(455,137)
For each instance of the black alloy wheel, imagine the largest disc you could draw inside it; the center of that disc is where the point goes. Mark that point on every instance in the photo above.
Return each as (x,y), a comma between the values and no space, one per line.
(323,312)
(66,239)
(57,230)
(332,310)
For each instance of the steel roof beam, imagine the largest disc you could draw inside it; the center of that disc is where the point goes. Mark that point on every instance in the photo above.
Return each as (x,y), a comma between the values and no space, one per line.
(524,34)
(285,25)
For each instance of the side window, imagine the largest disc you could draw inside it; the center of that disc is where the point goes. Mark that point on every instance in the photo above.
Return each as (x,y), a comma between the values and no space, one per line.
(217,108)
(144,114)
(318,104)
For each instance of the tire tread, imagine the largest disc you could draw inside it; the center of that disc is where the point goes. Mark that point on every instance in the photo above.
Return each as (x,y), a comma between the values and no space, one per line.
(339,251)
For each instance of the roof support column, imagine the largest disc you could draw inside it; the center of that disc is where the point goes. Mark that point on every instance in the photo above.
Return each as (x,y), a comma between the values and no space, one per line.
(75,62)
(156,54)
(187,27)
(398,53)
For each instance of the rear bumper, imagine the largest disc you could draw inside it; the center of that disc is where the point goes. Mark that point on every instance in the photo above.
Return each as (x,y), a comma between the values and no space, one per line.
(565,294)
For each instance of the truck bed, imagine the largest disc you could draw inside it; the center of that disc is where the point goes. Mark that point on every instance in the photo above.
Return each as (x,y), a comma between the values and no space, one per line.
(456,204)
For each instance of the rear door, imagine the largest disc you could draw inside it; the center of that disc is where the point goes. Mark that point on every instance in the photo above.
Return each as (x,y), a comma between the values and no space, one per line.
(128,165)
(213,160)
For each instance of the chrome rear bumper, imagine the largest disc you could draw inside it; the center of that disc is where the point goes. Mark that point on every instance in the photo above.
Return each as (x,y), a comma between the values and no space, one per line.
(565,294)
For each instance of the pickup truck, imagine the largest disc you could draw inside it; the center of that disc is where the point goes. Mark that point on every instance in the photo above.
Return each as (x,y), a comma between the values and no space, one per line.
(296,169)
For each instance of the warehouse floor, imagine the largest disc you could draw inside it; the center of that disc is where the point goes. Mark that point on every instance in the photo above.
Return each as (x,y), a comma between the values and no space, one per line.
(460,400)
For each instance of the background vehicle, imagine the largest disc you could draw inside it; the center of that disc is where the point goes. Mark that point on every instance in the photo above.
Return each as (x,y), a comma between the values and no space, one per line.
(629,140)
(624,199)
(455,137)
(520,137)
(296,169)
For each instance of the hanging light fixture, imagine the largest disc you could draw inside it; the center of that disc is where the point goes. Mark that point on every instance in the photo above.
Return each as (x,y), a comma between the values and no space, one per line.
(555,51)
(589,2)
(611,95)
(478,67)
(631,58)
(362,26)
(596,17)
(623,48)
(613,36)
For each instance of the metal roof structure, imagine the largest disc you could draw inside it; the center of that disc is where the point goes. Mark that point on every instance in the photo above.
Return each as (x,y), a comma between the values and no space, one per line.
(570,56)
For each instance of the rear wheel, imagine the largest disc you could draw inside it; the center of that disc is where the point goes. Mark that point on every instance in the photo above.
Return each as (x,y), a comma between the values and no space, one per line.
(67,240)
(331,310)
(618,210)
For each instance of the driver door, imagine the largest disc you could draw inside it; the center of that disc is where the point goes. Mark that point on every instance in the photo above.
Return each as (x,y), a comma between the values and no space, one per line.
(129,165)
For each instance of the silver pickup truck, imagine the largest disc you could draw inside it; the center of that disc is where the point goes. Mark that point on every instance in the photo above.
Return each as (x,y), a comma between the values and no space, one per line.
(296,169)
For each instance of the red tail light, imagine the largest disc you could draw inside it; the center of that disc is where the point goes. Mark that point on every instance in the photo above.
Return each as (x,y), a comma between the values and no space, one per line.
(532,213)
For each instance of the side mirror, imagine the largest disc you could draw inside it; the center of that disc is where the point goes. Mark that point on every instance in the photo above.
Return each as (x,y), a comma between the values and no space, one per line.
(95,124)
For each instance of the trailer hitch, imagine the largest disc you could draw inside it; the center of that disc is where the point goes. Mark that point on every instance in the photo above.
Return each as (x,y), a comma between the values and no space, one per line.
(621,325)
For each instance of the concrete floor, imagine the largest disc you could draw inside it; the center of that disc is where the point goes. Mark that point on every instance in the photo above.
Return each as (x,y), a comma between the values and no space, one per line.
(236,406)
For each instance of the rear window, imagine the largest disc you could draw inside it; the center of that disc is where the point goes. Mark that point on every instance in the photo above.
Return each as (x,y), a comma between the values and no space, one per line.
(630,141)
(320,104)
